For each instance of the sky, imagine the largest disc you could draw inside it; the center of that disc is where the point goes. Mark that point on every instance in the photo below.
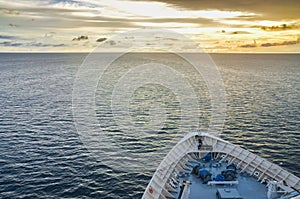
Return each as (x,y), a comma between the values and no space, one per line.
(254,26)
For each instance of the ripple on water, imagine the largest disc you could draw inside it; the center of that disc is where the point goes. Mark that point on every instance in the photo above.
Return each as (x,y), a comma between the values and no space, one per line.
(43,157)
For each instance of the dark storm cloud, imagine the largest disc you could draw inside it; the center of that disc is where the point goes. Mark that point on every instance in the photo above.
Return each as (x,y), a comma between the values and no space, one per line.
(269,9)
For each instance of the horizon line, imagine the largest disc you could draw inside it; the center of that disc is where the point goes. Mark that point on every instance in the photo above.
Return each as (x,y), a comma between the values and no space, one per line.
(88,52)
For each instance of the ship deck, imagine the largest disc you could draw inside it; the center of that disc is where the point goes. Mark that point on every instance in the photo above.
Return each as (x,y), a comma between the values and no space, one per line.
(248,187)
(234,172)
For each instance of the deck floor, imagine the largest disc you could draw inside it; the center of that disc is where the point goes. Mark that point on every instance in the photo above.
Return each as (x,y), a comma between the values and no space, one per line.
(248,187)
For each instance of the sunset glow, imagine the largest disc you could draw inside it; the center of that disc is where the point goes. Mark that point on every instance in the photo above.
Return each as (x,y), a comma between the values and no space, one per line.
(227,26)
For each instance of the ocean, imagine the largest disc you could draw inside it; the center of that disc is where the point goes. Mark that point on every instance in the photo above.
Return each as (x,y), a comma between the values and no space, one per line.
(45,152)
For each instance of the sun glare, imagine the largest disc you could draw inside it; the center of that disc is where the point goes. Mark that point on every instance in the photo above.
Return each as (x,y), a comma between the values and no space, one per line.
(26,23)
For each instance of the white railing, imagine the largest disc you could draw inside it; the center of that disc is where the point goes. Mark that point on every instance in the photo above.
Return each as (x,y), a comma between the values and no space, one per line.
(244,159)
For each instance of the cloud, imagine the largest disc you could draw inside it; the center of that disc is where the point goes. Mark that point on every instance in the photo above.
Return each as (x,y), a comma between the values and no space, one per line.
(54,22)
(79,38)
(31,44)
(269,9)
(75,14)
(101,39)
(45,45)
(9,37)
(49,34)
(240,32)
(8,43)
(10,12)
(112,43)
(279,44)
(284,43)
(280,28)
(248,46)
(13,37)
(12,25)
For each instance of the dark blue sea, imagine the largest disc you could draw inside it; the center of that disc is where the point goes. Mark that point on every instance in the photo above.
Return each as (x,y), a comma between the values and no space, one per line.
(43,155)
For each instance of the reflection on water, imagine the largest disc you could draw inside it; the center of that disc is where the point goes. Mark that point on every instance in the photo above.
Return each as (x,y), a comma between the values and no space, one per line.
(42,155)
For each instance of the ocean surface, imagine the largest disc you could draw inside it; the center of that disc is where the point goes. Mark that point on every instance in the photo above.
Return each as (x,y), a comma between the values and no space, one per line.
(43,153)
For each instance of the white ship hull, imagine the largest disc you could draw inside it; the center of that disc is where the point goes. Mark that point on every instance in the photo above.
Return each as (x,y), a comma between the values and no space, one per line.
(174,179)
